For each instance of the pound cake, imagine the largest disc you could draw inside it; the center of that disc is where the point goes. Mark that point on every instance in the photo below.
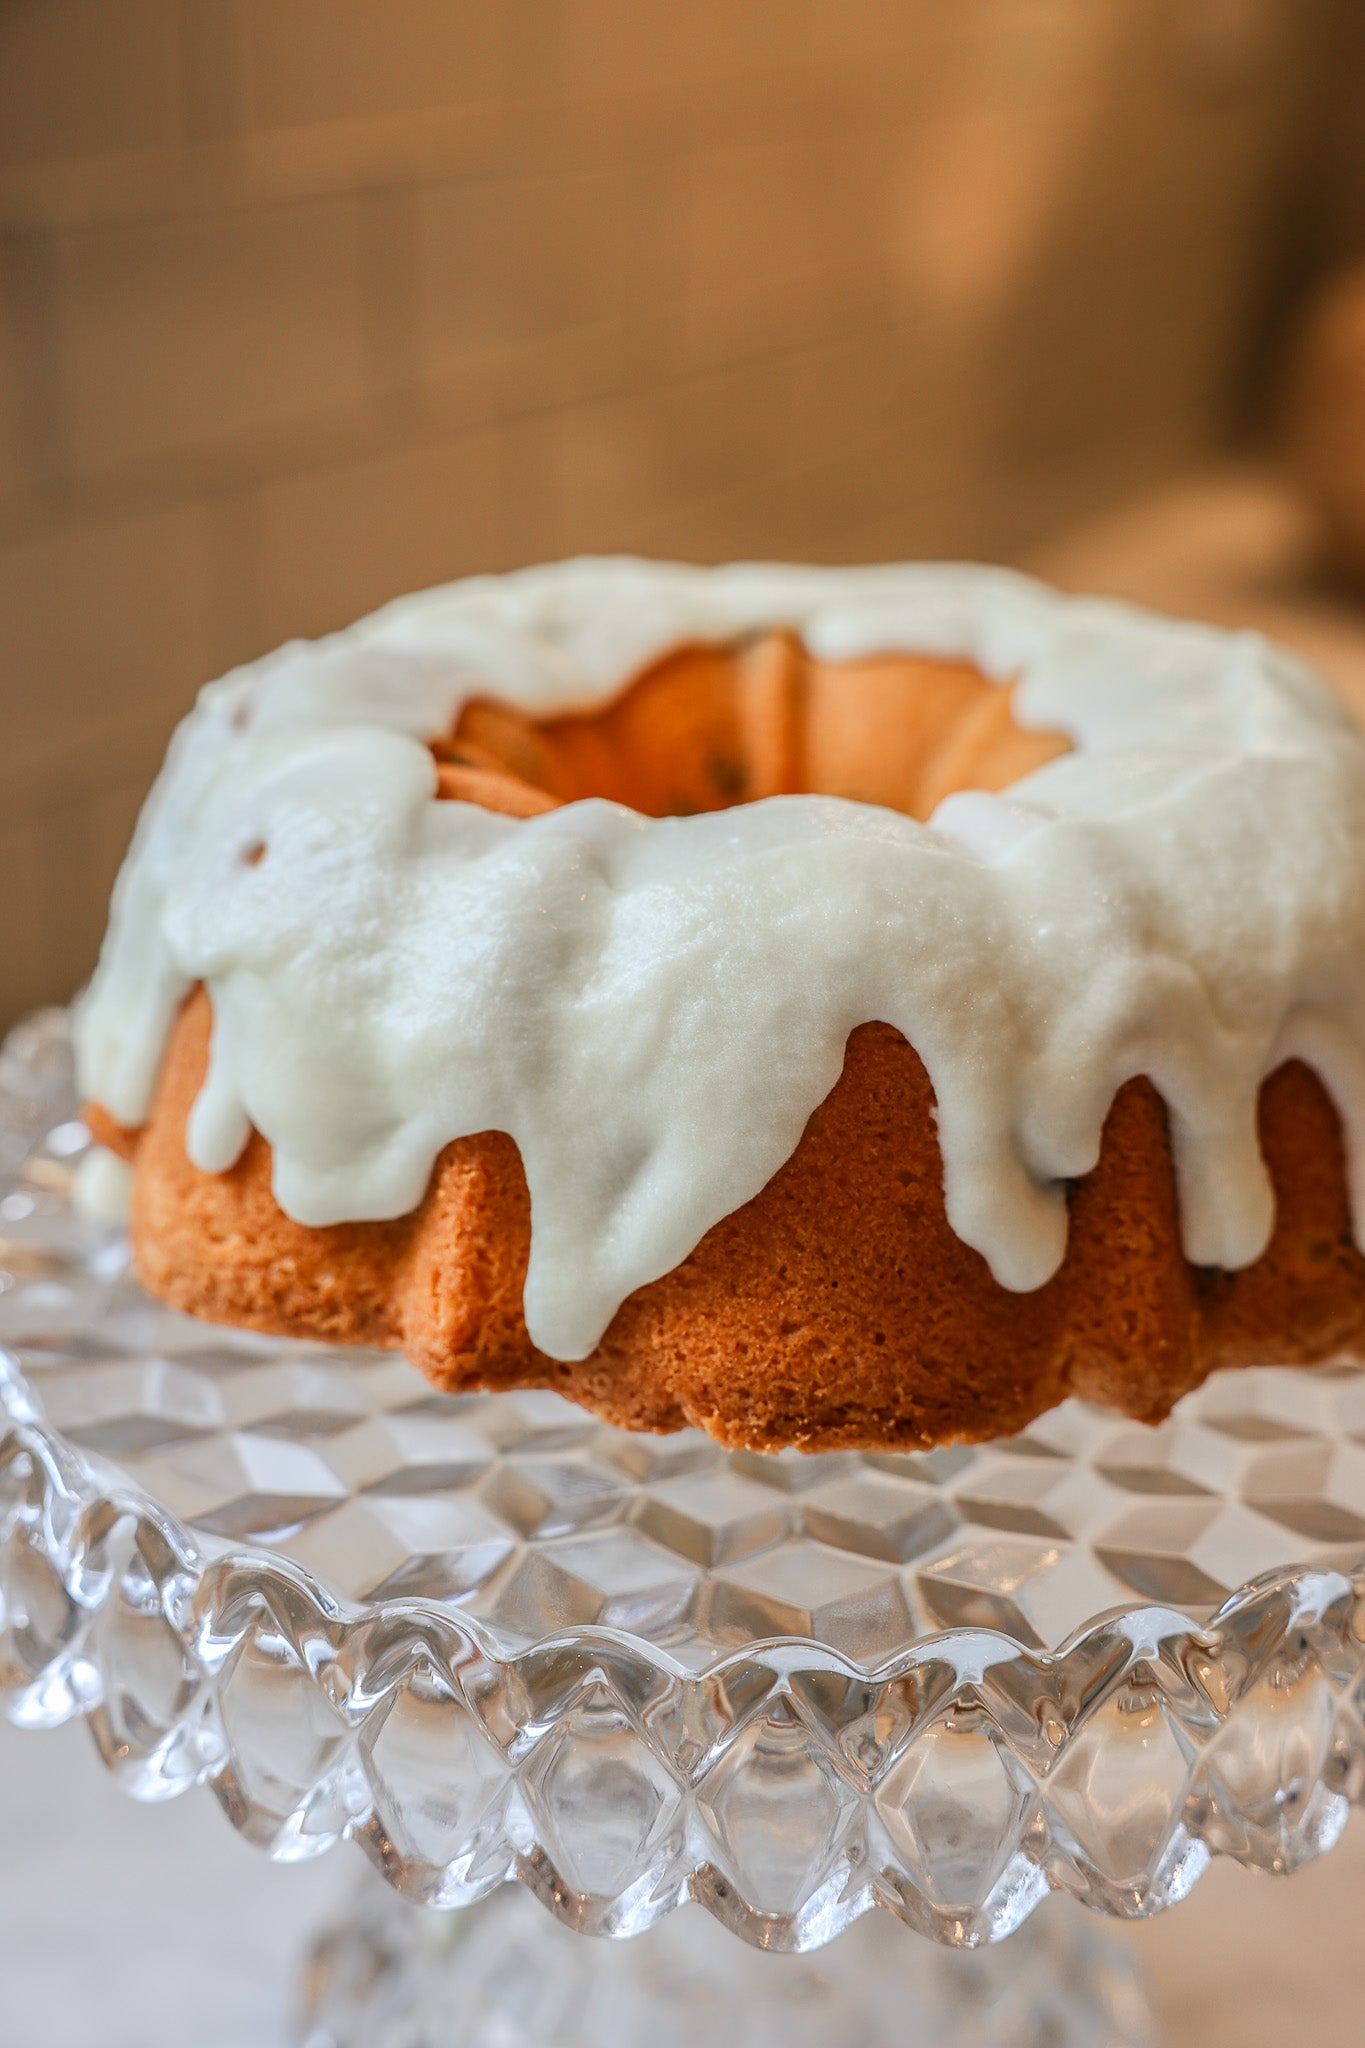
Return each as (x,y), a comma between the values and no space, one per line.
(830,1008)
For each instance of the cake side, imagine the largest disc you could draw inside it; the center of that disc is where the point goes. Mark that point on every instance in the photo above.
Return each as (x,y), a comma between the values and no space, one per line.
(836,1309)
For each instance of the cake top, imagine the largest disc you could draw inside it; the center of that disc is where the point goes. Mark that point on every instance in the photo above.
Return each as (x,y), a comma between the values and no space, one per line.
(652,1007)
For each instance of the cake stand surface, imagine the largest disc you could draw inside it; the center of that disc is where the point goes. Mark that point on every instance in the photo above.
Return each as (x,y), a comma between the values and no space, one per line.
(490,1638)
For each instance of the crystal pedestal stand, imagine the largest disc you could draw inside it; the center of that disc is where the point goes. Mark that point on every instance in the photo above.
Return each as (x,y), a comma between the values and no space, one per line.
(809,1701)
(500,1974)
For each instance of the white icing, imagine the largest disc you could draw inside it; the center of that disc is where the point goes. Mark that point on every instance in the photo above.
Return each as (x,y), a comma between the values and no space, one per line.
(102,1187)
(653,1007)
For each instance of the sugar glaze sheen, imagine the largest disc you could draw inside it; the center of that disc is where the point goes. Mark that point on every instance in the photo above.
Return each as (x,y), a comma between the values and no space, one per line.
(653,1007)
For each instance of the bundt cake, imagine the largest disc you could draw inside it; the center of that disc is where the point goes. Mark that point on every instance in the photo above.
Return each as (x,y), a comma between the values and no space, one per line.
(832,1008)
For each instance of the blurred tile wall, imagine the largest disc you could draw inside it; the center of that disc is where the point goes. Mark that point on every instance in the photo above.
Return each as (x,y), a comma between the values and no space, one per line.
(305,302)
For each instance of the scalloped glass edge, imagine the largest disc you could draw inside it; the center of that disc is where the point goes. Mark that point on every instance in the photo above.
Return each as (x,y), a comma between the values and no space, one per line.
(783,1788)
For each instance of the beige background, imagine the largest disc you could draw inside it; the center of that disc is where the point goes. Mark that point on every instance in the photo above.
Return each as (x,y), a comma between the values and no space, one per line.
(305,302)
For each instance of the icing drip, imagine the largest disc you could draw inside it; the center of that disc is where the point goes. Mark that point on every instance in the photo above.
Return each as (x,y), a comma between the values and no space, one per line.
(653,1007)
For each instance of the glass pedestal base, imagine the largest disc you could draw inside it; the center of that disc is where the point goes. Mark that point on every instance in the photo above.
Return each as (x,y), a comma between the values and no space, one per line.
(504,1974)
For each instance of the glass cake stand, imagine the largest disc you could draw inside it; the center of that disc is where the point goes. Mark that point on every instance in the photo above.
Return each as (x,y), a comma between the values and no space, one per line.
(490,1638)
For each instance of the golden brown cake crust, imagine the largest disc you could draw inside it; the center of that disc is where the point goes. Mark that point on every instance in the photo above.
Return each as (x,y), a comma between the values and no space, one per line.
(838,1308)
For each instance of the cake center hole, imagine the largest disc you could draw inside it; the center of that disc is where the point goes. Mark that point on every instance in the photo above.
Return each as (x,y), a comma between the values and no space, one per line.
(708,727)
